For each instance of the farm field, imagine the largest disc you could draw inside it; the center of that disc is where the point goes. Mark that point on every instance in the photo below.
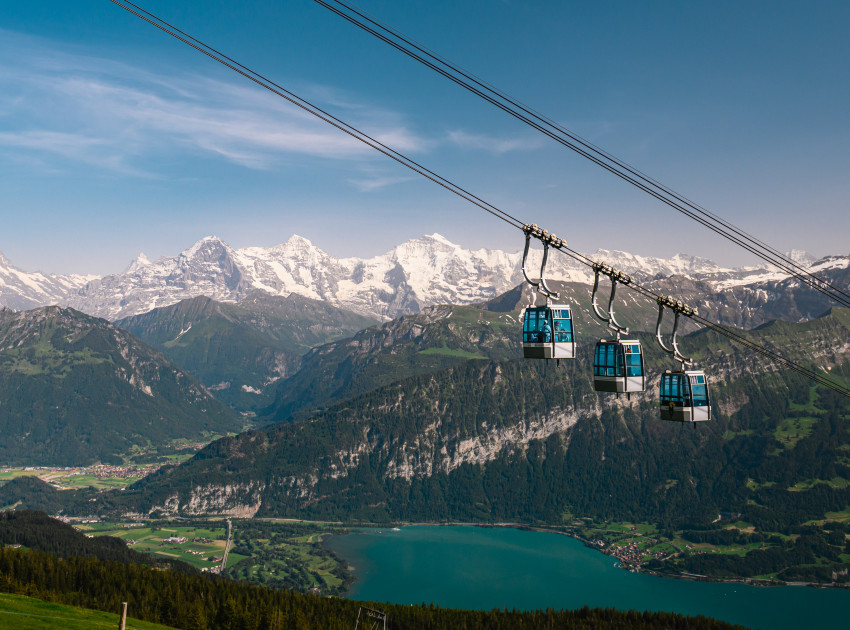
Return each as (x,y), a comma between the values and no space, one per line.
(288,555)
(97,477)
(200,545)
(277,554)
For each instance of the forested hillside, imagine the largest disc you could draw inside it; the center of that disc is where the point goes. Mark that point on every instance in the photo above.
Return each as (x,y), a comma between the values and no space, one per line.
(444,336)
(75,390)
(36,530)
(516,440)
(238,351)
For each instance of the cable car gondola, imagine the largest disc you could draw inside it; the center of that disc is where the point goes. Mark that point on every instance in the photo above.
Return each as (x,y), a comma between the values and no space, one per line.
(547,331)
(684,394)
(618,365)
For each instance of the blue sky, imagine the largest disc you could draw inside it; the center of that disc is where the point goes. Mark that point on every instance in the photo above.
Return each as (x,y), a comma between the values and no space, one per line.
(116,139)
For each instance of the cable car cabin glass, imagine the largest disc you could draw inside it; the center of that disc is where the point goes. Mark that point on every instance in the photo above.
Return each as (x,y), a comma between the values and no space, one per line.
(618,366)
(684,396)
(547,333)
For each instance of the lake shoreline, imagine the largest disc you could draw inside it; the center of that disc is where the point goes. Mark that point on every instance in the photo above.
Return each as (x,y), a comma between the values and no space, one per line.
(762,583)
(477,566)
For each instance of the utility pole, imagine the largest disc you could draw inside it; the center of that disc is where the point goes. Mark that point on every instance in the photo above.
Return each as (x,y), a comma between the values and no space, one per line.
(123,624)
(371,619)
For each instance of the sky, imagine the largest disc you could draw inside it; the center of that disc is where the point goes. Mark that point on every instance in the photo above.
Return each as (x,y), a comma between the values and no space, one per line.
(116,139)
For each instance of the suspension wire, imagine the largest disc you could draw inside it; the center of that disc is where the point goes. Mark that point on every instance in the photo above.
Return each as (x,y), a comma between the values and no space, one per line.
(585,148)
(246,72)
(273,87)
(726,332)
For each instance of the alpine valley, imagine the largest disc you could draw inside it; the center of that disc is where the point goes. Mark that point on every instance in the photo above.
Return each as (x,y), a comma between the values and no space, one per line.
(392,390)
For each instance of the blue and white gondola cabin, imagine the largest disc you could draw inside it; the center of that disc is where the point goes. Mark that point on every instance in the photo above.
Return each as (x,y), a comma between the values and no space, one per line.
(618,366)
(685,396)
(547,333)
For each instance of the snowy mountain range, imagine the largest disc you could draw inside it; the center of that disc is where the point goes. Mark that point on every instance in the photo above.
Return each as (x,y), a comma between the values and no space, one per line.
(420,272)
(23,290)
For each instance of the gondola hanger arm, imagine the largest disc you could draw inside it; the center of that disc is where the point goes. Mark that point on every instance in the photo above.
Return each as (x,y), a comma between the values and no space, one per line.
(548,240)
(616,276)
(679,308)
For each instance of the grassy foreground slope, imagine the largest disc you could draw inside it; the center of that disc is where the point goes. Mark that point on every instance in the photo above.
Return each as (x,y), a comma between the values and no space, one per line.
(26,613)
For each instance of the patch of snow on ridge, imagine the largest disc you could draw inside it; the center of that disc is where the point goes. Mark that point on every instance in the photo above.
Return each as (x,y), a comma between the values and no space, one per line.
(830,262)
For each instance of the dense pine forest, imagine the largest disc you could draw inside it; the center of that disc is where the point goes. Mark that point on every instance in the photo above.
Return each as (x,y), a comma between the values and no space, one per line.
(194,602)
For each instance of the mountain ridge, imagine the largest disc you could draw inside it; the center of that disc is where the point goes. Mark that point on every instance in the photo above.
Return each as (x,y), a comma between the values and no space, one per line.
(421,272)
(239,351)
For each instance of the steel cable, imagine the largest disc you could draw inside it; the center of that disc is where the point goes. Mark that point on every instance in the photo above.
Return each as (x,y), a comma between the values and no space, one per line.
(586,149)
(445,183)
(312,109)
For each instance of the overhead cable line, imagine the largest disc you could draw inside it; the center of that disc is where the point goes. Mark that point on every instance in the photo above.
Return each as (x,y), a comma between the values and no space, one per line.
(730,334)
(273,87)
(584,148)
(551,239)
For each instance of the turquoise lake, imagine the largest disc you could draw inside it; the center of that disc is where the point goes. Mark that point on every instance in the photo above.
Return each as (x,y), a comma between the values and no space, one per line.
(486,568)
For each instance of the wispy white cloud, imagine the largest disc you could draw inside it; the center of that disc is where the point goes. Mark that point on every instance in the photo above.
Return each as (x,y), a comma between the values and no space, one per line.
(71,146)
(62,107)
(376,183)
(494,145)
(73,106)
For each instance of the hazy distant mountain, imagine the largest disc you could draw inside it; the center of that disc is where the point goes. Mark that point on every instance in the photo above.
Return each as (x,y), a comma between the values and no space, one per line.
(421,272)
(436,338)
(21,290)
(75,390)
(239,351)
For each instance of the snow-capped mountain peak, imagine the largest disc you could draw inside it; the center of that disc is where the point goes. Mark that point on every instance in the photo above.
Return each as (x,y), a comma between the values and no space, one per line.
(206,247)
(439,238)
(417,273)
(140,261)
(22,290)
(298,242)
(801,257)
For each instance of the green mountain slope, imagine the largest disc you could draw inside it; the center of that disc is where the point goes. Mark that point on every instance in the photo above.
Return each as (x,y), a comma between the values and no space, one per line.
(435,339)
(364,456)
(443,336)
(238,351)
(75,389)
(515,440)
